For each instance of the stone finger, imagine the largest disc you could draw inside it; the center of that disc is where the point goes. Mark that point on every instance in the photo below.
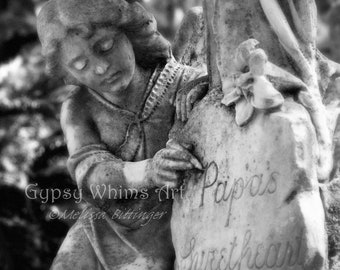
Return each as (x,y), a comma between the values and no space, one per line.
(183,108)
(178,165)
(179,146)
(189,101)
(178,107)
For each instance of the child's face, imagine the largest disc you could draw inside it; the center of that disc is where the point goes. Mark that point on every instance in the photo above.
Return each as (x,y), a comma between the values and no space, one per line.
(104,62)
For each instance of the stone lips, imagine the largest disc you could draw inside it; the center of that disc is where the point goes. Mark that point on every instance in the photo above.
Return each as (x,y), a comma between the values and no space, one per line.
(257,205)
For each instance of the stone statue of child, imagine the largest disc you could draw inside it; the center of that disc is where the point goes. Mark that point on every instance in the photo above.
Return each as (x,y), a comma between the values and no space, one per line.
(116,123)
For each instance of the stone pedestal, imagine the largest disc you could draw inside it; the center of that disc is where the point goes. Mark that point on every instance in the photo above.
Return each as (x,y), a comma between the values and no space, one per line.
(257,203)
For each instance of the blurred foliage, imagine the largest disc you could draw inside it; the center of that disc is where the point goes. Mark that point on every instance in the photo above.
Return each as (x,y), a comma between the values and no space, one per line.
(32,148)
(32,151)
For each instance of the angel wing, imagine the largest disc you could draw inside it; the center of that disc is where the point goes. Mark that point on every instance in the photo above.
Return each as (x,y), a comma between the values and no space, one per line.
(189,47)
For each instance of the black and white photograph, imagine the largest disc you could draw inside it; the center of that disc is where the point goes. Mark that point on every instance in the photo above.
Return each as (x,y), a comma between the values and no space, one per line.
(170,134)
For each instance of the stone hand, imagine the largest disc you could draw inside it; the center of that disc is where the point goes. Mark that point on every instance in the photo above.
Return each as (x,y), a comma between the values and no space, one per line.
(167,166)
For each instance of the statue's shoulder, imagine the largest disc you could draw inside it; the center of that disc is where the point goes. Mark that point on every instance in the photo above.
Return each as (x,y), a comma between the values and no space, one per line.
(75,108)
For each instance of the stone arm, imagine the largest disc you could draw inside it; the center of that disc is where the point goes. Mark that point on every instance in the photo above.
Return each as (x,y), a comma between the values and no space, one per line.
(95,169)
(91,164)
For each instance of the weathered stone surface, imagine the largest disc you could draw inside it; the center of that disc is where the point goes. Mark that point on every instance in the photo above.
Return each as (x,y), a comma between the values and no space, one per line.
(257,204)
(286,31)
(330,193)
(334,31)
(190,41)
(231,22)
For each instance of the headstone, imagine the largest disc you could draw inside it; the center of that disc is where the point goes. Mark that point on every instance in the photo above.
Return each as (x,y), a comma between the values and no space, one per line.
(256,204)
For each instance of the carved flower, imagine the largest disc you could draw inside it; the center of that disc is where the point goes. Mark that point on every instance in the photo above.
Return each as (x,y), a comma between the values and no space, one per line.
(250,90)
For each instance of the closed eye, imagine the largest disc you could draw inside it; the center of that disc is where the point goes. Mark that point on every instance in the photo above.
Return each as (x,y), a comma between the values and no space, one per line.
(105,45)
(79,64)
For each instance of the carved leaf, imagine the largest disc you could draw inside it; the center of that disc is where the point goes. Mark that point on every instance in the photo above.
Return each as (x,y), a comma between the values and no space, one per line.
(244,112)
(307,12)
(279,22)
(231,98)
(288,40)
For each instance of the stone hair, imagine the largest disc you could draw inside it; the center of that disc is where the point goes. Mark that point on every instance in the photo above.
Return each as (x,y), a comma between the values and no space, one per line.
(59,18)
